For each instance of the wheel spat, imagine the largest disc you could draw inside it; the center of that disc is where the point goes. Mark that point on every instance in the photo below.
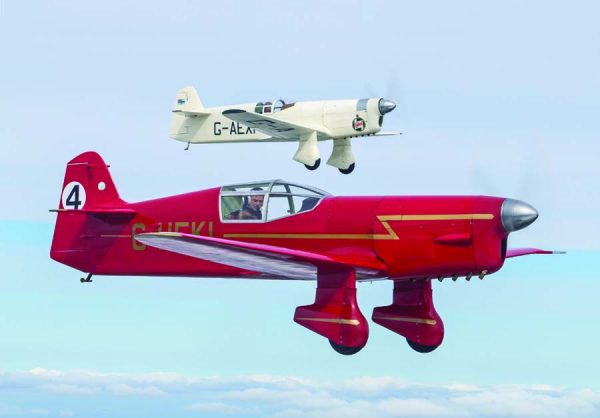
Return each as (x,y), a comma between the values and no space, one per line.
(314,166)
(421,348)
(345,350)
(348,170)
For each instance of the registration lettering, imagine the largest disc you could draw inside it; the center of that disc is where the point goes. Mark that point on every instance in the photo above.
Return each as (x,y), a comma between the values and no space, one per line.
(195,228)
(234,128)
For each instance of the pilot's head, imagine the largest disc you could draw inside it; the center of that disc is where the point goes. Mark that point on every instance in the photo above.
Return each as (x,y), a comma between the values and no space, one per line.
(255,202)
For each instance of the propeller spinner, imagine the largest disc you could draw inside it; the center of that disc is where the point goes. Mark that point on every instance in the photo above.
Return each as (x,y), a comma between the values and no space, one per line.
(386,106)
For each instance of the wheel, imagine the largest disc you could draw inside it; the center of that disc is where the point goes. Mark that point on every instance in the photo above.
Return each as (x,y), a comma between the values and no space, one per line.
(315,166)
(420,347)
(345,350)
(348,170)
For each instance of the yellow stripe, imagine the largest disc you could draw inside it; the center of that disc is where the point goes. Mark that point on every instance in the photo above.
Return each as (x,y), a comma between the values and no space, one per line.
(332,320)
(391,233)
(384,219)
(302,236)
(439,217)
(407,319)
(157,234)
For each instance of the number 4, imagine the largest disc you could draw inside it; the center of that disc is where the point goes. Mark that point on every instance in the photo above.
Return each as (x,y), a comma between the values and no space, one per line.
(73,198)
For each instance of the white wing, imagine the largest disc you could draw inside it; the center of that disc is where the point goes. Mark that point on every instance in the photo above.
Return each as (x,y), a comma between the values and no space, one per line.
(272,126)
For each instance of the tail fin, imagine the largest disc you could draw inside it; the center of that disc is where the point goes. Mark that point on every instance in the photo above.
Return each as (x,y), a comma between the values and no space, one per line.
(188,115)
(88,185)
(89,204)
(187,100)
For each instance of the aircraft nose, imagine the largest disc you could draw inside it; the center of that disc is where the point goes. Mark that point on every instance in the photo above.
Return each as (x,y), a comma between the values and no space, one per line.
(386,106)
(516,214)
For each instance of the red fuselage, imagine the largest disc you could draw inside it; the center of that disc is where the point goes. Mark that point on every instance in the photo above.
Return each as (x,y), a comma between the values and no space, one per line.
(403,237)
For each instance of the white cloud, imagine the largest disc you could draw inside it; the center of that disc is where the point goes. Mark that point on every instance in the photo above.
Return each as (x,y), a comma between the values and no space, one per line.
(527,402)
(123,389)
(290,397)
(375,384)
(461,387)
(68,389)
(415,407)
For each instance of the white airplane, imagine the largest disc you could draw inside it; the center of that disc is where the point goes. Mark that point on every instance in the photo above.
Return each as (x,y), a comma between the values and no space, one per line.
(278,121)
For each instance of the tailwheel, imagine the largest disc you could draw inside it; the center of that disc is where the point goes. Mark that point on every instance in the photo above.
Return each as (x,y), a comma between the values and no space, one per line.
(314,166)
(348,170)
(421,348)
(345,350)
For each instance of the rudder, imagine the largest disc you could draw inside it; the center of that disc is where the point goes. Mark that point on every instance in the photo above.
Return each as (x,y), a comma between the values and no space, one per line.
(188,115)
(88,184)
(187,100)
(88,200)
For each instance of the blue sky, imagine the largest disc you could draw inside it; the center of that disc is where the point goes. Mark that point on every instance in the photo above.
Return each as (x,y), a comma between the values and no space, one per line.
(496,98)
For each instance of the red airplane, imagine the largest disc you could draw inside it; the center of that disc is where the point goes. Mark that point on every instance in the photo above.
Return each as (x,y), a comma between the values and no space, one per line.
(280,230)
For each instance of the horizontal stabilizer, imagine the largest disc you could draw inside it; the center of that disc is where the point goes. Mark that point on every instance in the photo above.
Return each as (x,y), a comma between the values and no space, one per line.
(517,252)
(108,211)
(191,113)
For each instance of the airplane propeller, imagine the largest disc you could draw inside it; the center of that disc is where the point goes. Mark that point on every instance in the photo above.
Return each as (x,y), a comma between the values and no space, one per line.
(535,165)
(386,105)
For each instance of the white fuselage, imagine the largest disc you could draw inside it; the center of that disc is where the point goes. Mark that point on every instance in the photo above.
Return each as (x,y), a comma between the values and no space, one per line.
(332,119)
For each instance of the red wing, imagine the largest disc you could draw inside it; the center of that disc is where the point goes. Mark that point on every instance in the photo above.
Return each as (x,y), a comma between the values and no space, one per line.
(266,259)
(517,252)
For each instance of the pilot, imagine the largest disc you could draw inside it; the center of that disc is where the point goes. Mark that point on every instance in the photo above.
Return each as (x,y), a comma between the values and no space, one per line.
(251,208)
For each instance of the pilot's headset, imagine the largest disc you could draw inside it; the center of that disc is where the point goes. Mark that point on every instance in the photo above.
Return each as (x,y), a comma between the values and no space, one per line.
(257,189)
(246,198)
(254,189)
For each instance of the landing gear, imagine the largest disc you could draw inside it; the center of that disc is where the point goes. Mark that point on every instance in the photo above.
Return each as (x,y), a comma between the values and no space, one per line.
(420,347)
(348,170)
(345,350)
(314,166)
(88,279)
(187,147)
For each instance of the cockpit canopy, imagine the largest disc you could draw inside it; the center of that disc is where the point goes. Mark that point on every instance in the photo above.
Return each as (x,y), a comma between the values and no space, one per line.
(272,106)
(265,201)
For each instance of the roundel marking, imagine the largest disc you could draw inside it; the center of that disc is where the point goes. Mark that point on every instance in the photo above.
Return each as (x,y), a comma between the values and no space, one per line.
(359,124)
(73,196)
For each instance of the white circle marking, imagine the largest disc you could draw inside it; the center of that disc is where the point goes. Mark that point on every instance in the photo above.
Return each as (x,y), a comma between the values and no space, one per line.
(73,196)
